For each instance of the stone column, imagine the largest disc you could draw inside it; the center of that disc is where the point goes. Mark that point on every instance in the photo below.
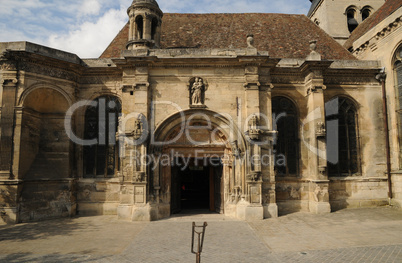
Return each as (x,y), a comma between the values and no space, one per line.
(131,30)
(158,35)
(147,27)
(314,136)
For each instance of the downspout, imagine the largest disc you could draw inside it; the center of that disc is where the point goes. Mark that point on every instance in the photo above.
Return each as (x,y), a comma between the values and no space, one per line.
(381,78)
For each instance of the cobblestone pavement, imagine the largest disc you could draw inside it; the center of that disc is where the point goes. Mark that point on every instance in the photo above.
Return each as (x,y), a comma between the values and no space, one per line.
(355,235)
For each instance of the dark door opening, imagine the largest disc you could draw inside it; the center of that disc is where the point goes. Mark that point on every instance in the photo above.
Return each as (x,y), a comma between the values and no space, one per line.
(197,186)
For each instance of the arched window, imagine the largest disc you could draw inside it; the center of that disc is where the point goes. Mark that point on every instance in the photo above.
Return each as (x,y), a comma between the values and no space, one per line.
(342,127)
(154,27)
(286,143)
(139,22)
(366,12)
(351,19)
(397,61)
(101,122)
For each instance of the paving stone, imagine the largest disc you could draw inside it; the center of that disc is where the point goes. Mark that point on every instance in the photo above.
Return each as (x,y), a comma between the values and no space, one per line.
(358,235)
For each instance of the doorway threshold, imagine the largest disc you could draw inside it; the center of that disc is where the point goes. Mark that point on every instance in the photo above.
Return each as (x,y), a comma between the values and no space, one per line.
(199,215)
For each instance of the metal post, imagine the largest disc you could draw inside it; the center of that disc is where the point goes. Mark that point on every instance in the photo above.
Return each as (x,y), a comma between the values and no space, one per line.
(200,236)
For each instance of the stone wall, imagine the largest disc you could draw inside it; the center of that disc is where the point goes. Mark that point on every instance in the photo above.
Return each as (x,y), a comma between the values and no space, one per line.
(292,195)
(98,196)
(397,189)
(45,199)
(357,192)
(8,203)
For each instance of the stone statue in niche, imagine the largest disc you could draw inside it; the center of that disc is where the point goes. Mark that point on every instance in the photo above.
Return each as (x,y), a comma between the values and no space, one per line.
(138,129)
(235,149)
(197,92)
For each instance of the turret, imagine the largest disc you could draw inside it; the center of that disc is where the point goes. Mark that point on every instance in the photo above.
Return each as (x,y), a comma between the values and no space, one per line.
(145,24)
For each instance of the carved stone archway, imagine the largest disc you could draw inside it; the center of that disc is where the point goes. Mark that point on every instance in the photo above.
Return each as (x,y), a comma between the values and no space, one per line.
(191,137)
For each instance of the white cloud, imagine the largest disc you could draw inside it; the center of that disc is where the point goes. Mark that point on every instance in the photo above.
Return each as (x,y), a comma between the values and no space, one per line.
(235,6)
(86,27)
(91,39)
(89,7)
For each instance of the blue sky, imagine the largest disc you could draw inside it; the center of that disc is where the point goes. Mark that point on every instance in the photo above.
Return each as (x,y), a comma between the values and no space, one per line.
(86,27)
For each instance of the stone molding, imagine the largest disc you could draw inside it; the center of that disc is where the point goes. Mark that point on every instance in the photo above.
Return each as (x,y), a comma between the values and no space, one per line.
(381,34)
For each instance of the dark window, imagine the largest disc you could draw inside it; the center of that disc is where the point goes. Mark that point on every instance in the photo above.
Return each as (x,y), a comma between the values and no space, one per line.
(101,122)
(139,21)
(286,143)
(346,135)
(365,13)
(351,19)
(154,28)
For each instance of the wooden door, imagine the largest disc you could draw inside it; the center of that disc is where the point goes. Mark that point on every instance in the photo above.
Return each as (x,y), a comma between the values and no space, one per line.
(218,188)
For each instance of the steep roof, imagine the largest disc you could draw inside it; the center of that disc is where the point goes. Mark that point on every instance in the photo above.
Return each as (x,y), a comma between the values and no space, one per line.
(283,35)
(389,7)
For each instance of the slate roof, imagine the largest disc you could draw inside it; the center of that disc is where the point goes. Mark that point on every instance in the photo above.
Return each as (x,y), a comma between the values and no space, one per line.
(389,7)
(283,35)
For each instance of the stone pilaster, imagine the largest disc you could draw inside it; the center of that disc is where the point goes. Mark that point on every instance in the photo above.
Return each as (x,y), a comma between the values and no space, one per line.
(314,136)
(267,155)
(17,142)
(9,89)
(9,187)
(136,192)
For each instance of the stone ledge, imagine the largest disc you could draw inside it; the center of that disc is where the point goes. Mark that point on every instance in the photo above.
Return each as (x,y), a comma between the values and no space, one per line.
(98,180)
(359,179)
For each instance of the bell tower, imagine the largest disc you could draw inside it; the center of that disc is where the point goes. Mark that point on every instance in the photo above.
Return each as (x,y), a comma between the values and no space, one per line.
(340,17)
(145,24)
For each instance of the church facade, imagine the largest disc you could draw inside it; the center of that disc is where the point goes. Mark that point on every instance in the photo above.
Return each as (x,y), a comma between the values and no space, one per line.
(241,114)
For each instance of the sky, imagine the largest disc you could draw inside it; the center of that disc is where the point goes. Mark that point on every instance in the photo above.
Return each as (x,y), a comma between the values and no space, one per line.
(86,27)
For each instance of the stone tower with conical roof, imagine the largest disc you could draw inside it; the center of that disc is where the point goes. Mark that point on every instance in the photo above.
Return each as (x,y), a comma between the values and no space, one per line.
(145,24)
(340,17)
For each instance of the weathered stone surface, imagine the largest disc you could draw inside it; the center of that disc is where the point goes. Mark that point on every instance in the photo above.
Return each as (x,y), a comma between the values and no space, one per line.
(192,104)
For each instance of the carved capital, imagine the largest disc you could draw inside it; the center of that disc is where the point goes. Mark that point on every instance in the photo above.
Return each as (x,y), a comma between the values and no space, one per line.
(316,89)
(236,151)
(9,82)
(254,177)
(252,86)
(8,66)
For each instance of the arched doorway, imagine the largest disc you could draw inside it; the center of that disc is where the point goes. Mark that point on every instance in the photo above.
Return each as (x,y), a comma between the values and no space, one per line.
(44,162)
(197,163)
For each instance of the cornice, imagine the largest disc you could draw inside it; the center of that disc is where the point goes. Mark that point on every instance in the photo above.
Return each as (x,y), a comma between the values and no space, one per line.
(377,34)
